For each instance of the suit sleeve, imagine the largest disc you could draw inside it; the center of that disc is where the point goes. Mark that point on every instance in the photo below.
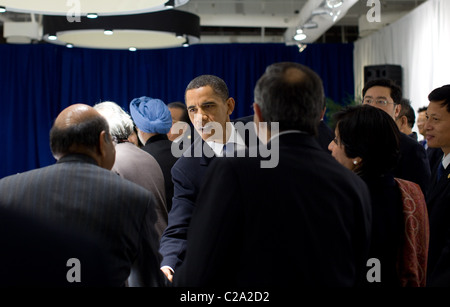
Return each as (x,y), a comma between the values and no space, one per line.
(173,240)
(145,270)
(215,231)
(416,167)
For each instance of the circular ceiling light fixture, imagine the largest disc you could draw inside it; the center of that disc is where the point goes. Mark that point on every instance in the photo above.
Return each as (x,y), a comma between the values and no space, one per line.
(157,30)
(85,7)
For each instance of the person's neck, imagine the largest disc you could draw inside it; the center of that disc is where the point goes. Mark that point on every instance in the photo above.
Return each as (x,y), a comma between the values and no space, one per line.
(145,136)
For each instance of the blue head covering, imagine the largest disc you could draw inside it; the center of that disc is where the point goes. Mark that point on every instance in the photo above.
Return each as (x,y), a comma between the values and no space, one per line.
(151,115)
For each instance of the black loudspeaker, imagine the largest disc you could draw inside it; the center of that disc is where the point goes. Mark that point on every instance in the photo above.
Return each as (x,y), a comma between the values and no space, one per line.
(393,72)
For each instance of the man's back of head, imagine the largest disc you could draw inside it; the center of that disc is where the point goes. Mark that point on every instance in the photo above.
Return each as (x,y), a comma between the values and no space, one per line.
(406,118)
(79,129)
(292,95)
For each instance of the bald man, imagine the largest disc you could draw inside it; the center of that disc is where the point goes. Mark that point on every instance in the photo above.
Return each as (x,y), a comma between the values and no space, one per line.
(80,193)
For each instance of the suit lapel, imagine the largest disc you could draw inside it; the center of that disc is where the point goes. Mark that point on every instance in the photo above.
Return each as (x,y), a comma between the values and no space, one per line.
(437,187)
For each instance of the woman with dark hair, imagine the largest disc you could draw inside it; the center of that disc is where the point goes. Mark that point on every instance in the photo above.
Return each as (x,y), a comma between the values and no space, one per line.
(367,142)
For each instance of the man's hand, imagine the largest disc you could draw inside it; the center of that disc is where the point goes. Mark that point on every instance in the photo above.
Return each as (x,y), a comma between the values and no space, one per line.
(168,272)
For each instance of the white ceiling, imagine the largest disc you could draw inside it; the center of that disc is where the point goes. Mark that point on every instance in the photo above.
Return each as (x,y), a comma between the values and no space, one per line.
(228,21)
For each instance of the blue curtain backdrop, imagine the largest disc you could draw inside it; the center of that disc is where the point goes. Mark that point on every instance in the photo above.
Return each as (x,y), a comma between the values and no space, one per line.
(38,81)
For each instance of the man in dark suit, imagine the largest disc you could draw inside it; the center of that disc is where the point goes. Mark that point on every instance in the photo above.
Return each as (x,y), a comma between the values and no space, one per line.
(406,119)
(413,164)
(153,121)
(437,128)
(304,222)
(209,107)
(434,155)
(80,192)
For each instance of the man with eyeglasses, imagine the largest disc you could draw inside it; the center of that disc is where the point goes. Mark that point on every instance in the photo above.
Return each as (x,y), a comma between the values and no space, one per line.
(413,165)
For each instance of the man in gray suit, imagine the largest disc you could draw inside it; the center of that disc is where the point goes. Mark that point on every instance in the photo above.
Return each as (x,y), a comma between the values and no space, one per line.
(133,163)
(80,193)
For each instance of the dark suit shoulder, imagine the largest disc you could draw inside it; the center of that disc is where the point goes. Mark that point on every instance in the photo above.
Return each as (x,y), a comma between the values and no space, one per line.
(408,142)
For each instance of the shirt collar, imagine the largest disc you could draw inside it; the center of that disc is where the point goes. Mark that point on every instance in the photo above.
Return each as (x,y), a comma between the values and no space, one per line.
(446,161)
(234,138)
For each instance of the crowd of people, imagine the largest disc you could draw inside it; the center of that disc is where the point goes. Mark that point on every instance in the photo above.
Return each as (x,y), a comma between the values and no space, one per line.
(362,205)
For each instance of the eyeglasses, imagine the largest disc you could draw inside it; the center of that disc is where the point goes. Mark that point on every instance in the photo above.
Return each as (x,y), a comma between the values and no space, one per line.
(379,102)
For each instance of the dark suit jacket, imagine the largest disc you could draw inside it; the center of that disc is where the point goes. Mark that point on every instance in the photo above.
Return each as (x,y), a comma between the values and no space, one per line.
(438,203)
(325,135)
(187,176)
(434,156)
(413,164)
(35,254)
(79,195)
(159,146)
(305,222)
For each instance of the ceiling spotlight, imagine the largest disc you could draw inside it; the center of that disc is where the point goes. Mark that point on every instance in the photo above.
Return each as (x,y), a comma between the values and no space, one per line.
(179,36)
(301,47)
(52,37)
(332,4)
(69,45)
(91,15)
(335,15)
(108,32)
(320,11)
(299,36)
(132,48)
(310,25)
(186,43)
(2,9)
(170,4)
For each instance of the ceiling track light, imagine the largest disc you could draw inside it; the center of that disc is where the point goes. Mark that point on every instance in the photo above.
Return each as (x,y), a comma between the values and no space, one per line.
(320,11)
(332,4)
(91,15)
(186,43)
(2,9)
(310,25)
(299,36)
(301,47)
(108,32)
